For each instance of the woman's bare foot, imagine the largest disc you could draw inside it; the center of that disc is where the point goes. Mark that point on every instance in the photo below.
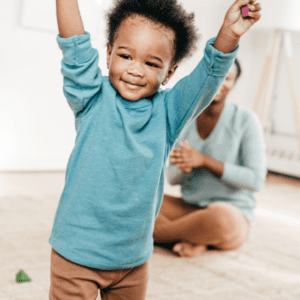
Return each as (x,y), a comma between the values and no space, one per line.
(185,249)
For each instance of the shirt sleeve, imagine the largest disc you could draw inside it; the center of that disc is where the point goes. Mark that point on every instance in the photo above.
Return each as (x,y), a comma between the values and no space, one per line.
(251,174)
(193,93)
(82,75)
(174,175)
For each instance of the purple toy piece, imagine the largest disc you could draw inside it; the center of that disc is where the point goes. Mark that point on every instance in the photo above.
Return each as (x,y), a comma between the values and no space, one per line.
(245,11)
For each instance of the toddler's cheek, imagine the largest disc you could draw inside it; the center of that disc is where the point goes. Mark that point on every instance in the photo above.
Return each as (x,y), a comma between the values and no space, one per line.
(160,78)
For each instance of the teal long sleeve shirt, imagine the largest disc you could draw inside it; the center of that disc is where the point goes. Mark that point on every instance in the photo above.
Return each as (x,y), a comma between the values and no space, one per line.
(115,175)
(237,141)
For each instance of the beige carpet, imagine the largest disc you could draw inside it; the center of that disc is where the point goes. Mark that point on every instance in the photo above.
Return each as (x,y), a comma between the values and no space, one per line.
(267,266)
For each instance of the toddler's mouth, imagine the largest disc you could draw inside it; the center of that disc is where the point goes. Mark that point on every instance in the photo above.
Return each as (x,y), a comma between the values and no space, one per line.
(133,85)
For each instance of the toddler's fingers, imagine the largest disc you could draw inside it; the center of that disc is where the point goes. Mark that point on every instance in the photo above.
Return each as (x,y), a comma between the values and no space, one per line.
(254,15)
(254,8)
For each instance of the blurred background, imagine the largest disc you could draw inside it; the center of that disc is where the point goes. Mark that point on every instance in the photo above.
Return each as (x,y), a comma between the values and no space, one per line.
(37,129)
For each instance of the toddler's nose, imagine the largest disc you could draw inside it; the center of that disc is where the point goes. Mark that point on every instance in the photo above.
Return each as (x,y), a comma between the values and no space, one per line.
(135,70)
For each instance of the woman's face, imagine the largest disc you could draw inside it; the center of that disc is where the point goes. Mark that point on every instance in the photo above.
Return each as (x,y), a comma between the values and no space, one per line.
(227,85)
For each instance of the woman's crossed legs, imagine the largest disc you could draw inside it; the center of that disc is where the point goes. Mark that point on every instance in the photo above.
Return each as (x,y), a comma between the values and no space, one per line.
(221,225)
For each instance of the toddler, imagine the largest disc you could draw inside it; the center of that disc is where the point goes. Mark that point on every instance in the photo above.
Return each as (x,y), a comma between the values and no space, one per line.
(126,126)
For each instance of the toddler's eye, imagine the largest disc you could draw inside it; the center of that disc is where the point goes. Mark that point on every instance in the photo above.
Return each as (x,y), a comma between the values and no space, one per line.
(125,56)
(152,64)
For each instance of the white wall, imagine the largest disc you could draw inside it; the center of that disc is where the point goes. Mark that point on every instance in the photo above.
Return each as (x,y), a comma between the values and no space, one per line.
(36,124)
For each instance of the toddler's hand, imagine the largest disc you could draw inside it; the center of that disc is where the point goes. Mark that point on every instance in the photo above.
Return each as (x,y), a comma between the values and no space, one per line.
(234,21)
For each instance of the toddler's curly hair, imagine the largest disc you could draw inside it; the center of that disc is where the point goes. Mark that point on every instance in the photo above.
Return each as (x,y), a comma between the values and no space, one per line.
(166,12)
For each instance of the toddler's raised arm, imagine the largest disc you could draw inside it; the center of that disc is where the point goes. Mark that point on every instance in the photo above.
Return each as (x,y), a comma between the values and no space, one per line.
(82,76)
(68,18)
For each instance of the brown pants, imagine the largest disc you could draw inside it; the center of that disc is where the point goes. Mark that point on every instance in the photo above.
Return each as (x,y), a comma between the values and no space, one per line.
(70,281)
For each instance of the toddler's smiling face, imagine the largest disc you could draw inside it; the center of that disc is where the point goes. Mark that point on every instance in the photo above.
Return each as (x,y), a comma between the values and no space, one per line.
(140,59)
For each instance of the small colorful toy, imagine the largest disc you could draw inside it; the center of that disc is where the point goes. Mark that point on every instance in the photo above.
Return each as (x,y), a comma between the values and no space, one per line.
(245,11)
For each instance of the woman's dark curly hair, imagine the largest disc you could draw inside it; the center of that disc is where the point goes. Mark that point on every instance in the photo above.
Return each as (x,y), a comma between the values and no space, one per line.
(166,12)
(238,68)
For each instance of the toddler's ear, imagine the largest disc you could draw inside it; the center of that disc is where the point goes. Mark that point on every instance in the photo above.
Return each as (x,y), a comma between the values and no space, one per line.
(109,49)
(170,74)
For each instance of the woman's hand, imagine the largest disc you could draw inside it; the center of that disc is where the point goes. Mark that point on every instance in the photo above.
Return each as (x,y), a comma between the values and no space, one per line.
(187,157)
(234,21)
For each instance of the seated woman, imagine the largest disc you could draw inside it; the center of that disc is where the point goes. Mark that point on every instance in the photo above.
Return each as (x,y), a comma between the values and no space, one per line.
(220,164)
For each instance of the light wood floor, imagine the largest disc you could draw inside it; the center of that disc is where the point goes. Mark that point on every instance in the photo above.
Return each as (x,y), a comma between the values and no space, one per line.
(266,267)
